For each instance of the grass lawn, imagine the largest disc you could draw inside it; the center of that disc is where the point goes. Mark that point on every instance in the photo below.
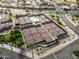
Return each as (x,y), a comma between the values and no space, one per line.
(14,37)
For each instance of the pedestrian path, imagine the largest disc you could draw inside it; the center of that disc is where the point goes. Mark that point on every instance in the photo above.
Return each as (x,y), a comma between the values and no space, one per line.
(14,49)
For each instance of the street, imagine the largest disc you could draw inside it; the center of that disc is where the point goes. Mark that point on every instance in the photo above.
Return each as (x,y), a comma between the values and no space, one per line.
(11,55)
(66,53)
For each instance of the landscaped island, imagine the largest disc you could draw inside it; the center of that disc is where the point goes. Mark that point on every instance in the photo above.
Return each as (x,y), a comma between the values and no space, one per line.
(14,37)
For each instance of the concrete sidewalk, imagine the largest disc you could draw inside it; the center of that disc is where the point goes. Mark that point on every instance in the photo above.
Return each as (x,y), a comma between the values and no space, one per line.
(14,49)
(17,50)
(68,17)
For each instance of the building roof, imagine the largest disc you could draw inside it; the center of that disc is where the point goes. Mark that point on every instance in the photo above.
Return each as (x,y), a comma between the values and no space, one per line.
(5,25)
(36,33)
(3,18)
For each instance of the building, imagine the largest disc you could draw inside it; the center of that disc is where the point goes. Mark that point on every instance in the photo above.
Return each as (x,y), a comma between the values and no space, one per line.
(5,23)
(3,18)
(39,30)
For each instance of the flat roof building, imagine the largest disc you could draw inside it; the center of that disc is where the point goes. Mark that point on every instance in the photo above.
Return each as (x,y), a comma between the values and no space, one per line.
(5,23)
(3,18)
(39,29)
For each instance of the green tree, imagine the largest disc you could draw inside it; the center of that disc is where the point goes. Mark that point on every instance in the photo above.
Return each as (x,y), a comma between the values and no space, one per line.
(65,0)
(76,53)
(77,1)
(16,37)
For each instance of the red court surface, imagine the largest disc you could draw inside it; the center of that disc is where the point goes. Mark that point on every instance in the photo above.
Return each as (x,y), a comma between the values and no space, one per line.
(38,34)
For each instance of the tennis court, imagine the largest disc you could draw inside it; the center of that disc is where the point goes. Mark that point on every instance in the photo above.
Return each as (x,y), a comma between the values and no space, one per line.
(37,34)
